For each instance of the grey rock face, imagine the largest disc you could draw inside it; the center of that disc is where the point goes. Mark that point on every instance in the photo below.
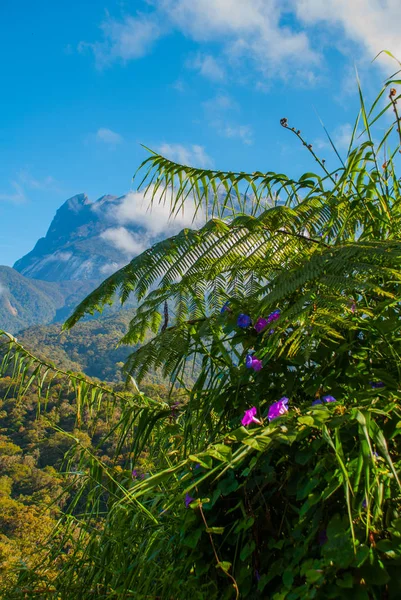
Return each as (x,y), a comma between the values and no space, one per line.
(90,240)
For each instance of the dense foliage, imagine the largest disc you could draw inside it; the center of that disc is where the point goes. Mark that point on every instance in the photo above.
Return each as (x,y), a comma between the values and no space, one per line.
(39,429)
(278,476)
(91,347)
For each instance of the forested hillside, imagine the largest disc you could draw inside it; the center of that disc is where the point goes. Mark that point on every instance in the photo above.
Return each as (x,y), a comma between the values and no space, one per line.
(91,347)
(36,436)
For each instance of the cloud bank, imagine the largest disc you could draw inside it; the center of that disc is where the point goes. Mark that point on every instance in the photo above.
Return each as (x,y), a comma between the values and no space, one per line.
(270,38)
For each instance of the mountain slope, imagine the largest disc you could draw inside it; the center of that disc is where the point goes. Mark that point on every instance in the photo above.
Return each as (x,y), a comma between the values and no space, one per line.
(91,240)
(25,302)
(89,347)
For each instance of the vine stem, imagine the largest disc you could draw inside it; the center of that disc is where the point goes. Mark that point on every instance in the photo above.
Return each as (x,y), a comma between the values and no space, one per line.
(235,585)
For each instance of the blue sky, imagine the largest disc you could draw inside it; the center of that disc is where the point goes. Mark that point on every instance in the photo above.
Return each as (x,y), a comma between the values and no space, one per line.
(205,82)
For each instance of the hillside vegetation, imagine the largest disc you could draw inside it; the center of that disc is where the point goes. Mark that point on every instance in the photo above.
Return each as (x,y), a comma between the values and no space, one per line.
(34,449)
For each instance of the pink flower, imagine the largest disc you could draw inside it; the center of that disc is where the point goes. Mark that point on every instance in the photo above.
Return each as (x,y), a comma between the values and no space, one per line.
(250,417)
(278,408)
(260,324)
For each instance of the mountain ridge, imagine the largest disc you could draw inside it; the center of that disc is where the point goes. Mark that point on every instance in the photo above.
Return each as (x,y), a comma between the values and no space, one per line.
(90,240)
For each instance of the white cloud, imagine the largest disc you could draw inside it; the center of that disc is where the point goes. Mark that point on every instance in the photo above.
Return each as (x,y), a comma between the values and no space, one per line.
(244,29)
(247,29)
(17,196)
(60,256)
(218,104)
(25,181)
(207,66)
(241,132)
(47,183)
(375,24)
(110,268)
(123,240)
(108,136)
(134,210)
(193,155)
(178,85)
(262,39)
(124,40)
(341,137)
(218,112)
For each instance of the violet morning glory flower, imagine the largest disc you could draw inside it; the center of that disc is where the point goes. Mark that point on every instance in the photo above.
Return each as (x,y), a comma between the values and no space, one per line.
(329,399)
(134,474)
(251,362)
(376,384)
(188,500)
(274,316)
(250,417)
(260,324)
(278,408)
(225,308)
(244,321)
(316,402)
(257,364)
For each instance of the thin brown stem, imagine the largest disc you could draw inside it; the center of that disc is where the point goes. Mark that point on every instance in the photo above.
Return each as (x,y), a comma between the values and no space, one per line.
(235,585)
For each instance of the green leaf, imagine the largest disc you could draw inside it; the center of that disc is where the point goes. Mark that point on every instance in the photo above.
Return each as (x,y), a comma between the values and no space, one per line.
(247,550)
(306,421)
(216,530)
(224,566)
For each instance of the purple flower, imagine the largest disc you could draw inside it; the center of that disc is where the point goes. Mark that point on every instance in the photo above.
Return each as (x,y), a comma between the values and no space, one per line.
(250,417)
(353,308)
(364,503)
(257,575)
(278,408)
(244,321)
(257,364)
(274,316)
(316,402)
(225,308)
(376,384)
(135,474)
(271,331)
(260,324)
(174,407)
(329,399)
(188,500)
(251,362)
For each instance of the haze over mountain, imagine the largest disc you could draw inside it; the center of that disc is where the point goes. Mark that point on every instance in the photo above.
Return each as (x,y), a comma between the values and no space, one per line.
(86,242)
(25,302)
(90,240)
